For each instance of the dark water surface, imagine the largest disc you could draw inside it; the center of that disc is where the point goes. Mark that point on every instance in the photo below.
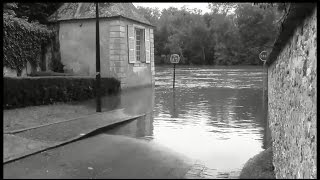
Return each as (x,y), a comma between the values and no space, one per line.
(215,115)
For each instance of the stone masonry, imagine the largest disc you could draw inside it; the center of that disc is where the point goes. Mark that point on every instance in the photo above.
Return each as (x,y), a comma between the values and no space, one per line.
(292,92)
(117,49)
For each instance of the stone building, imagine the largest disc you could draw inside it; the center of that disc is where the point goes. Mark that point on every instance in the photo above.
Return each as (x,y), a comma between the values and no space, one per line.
(292,93)
(126,42)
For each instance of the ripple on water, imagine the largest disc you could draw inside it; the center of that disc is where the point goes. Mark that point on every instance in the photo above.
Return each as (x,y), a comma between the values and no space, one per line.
(214,116)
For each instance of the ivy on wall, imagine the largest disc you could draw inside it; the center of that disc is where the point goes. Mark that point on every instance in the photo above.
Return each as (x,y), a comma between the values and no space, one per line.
(22,42)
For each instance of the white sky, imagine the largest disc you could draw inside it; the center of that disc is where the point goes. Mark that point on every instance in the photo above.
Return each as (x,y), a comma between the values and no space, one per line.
(203,6)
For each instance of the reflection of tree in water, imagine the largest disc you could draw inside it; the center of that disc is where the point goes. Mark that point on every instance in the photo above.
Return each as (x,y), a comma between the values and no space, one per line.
(217,107)
(246,106)
(224,107)
(241,103)
(222,104)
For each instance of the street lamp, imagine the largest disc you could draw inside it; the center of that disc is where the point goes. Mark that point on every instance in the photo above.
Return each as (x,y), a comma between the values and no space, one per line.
(98,77)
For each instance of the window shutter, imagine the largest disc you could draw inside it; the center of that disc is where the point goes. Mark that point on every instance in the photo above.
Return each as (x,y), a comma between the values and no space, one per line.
(147,45)
(131,43)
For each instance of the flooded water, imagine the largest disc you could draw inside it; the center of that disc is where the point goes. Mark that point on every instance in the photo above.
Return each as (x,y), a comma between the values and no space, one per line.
(215,116)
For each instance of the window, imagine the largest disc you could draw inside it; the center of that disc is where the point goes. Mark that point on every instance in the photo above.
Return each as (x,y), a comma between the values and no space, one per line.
(139,43)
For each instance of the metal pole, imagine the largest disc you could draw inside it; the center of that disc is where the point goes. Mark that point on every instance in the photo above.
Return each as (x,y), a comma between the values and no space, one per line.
(174,73)
(98,61)
(263,88)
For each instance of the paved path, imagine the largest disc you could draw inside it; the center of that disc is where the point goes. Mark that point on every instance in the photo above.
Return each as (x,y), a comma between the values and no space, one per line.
(102,156)
(38,139)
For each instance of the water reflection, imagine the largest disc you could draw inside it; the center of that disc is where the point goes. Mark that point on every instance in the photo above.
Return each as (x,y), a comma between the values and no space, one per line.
(136,101)
(214,115)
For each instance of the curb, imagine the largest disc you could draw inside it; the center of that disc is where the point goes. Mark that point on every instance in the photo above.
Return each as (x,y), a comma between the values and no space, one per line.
(79,137)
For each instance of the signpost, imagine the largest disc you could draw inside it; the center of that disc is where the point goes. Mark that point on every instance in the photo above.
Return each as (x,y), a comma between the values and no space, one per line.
(263,57)
(174,59)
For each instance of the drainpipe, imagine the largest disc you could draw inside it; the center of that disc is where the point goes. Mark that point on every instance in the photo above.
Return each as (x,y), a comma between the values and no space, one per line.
(98,77)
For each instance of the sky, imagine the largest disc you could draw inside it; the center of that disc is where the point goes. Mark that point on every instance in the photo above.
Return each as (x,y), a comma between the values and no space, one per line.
(202,6)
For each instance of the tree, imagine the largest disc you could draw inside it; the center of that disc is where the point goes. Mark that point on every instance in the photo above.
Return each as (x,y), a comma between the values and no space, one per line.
(151,14)
(232,33)
(36,11)
(257,29)
(222,8)
(9,8)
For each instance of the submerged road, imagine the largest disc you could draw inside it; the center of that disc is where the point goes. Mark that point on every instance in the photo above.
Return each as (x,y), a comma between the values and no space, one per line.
(208,127)
(102,156)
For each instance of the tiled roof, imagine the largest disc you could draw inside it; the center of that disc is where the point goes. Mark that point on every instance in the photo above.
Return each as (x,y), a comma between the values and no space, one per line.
(70,11)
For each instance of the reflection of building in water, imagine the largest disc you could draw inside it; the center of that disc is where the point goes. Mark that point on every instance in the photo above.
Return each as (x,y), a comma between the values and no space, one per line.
(137,101)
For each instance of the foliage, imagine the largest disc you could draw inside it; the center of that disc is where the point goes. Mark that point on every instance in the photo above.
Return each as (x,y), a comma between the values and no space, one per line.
(8,8)
(232,33)
(222,8)
(22,41)
(151,14)
(32,91)
(36,12)
(256,33)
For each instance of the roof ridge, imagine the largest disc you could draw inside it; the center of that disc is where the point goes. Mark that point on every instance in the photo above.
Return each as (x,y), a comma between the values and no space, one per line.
(71,11)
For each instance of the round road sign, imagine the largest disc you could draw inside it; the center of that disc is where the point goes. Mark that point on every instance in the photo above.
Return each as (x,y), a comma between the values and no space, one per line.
(263,55)
(175,58)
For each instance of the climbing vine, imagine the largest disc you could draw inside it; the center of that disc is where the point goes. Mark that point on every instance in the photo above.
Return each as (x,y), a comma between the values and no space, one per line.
(22,42)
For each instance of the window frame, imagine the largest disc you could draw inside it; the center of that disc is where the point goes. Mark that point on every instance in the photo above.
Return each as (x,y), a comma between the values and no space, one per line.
(142,44)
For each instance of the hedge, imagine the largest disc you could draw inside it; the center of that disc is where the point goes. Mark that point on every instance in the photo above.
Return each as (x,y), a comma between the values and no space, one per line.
(32,91)
(49,73)
(22,42)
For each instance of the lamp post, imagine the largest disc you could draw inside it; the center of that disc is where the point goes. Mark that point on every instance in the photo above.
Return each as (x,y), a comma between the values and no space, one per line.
(98,77)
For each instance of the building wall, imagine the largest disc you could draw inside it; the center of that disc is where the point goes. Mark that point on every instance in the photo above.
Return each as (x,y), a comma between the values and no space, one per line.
(292,92)
(78,51)
(52,50)
(77,46)
(133,74)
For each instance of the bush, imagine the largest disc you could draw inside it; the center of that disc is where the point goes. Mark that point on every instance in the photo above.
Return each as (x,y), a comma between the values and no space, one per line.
(22,42)
(32,91)
(50,73)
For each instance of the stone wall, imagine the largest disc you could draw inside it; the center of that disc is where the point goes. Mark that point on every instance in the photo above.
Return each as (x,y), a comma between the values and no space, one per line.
(292,92)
